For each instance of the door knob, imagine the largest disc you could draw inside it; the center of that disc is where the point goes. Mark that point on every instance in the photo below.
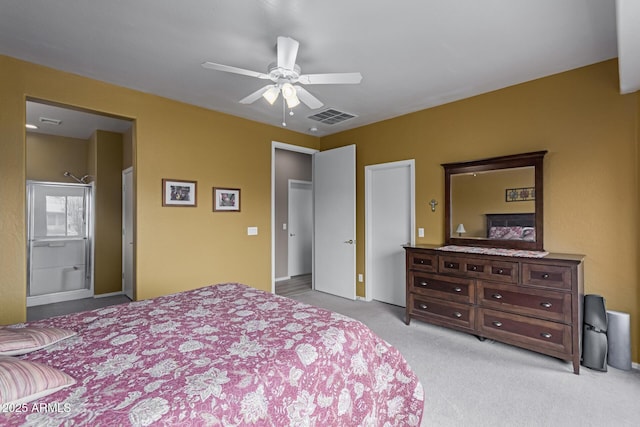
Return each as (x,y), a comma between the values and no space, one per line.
(350,241)
(292,234)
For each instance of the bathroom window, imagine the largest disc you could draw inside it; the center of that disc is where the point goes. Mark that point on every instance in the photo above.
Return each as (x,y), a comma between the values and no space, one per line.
(65,216)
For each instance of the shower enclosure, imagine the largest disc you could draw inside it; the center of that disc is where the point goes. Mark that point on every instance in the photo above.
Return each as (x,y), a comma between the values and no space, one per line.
(60,242)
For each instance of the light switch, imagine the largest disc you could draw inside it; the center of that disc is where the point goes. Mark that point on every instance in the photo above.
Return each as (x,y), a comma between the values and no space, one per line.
(284,226)
(252,231)
(420,232)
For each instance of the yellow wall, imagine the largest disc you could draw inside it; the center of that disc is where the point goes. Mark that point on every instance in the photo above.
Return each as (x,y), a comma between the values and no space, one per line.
(127,148)
(591,188)
(49,156)
(106,169)
(177,248)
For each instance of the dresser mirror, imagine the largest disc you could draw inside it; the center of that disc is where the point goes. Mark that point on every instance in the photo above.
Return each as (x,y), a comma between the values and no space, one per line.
(496,202)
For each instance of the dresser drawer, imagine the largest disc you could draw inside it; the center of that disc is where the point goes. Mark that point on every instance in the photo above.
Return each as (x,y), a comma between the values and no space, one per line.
(444,287)
(548,276)
(503,271)
(532,333)
(550,305)
(442,312)
(422,261)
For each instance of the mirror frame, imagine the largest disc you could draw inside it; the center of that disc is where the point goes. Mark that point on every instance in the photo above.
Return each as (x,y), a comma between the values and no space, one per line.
(534,159)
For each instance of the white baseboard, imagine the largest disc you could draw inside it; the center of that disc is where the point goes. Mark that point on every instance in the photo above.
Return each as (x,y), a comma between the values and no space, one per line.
(110,294)
(280,279)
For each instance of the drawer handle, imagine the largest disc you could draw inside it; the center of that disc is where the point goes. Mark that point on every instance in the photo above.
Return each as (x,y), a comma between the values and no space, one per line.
(474,268)
(500,271)
(449,265)
(457,314)
(546,335)
(545,276)
(420,261)
(424,306)
(423,284)
(546,304)
(457,289)
(496,323)
(496,296)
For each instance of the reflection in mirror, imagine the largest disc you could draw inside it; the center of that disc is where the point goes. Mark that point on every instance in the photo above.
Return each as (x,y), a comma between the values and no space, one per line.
(495,202)
(474,195)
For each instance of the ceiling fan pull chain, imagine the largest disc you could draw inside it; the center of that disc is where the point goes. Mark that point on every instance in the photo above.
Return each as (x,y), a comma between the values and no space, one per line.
(284,115)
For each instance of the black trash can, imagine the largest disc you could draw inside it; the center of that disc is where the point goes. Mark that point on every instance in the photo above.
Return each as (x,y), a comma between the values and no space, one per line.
(594,336)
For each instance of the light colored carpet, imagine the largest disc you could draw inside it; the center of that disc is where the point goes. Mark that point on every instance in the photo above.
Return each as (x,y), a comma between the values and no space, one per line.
(472,383)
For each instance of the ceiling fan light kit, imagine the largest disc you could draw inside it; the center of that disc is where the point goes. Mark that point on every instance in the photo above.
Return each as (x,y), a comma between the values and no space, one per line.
(271,94)
(285,73)
(289,93)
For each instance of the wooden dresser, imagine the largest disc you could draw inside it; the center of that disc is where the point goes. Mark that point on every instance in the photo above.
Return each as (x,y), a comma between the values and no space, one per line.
(533,303)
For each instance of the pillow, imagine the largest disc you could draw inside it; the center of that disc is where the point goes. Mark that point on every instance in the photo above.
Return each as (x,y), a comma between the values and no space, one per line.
(505,233)
(22,381)
(17,341)
(529,234)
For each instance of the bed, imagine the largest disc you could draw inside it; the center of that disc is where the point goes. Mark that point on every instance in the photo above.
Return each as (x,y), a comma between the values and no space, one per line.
(226,355)
(511,226)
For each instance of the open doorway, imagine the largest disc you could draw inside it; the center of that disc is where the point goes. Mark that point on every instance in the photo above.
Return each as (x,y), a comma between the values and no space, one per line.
(68,147)
(292,212)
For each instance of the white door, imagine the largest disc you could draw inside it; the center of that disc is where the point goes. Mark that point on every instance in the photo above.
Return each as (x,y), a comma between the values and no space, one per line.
(300,227)
(127,232)
(389,213)
(334,184)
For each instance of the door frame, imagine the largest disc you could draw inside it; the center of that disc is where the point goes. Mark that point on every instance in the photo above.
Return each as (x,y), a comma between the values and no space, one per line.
(280,146)
(368,212)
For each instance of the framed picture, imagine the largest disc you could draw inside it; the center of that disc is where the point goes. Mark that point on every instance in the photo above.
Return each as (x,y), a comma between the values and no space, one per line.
(520,194)
(226,199)
(177,192)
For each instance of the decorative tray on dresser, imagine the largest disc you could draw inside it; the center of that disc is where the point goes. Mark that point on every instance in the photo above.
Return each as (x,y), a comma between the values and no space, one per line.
(530,302)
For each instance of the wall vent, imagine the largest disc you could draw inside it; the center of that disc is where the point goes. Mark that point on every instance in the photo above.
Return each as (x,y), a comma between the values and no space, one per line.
(331,116)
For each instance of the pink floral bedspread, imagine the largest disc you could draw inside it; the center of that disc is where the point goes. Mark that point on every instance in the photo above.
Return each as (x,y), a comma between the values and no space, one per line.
(224,355)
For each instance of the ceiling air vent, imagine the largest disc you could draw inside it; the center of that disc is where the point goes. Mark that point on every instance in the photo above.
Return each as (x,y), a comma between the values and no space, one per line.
(331,116)
(49,121)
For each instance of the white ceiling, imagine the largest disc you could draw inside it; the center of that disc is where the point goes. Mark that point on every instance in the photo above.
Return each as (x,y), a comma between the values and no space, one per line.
(413,54)
(72,123)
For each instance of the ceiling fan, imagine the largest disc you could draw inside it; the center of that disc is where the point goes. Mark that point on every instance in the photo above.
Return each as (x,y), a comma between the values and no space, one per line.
(285,75)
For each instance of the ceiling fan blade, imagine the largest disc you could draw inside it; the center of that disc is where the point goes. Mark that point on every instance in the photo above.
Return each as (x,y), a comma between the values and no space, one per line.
(330,79)
(250,99)
(235,70)
(287,52)
(306,97)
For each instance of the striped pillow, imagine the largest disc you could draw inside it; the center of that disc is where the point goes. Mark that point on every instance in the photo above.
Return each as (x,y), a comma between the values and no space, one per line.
(17,341)
(22,381)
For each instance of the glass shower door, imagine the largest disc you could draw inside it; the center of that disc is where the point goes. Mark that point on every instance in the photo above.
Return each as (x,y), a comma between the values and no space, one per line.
(59,242)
